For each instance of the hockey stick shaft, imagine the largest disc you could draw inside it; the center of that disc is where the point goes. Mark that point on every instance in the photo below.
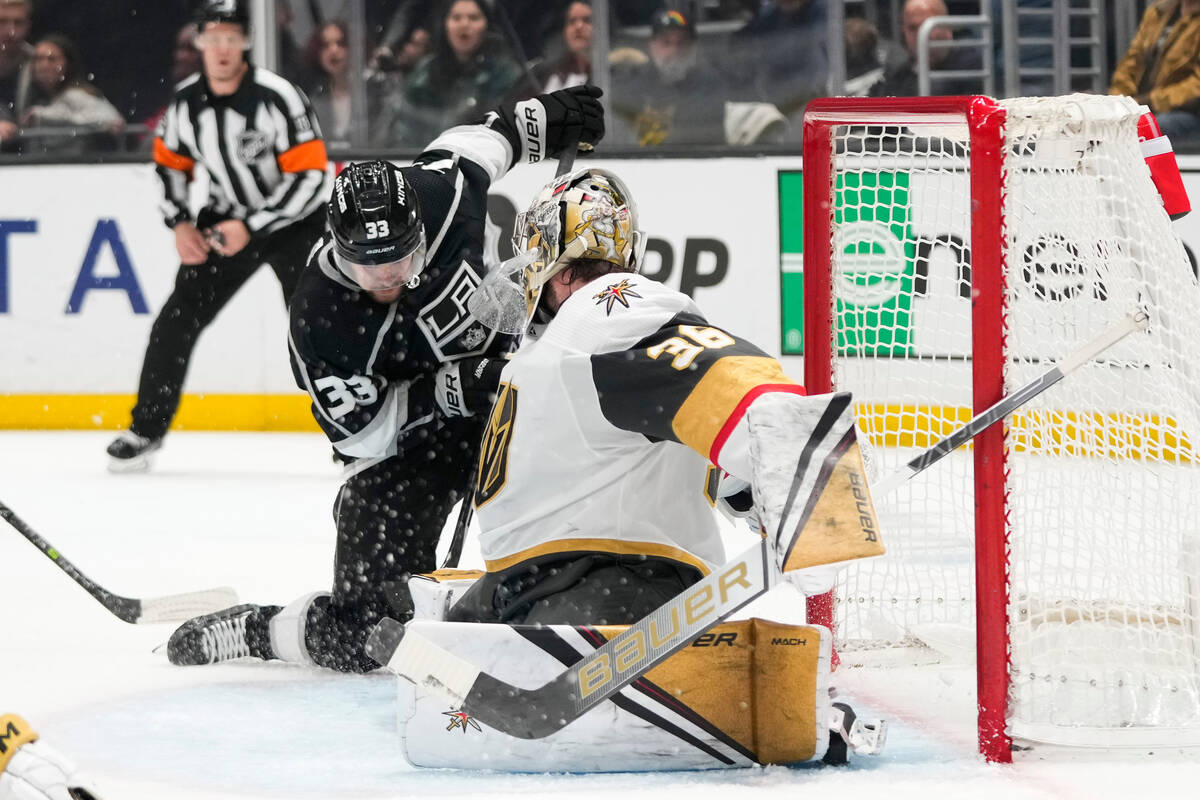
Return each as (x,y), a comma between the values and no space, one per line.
(990,416)
(169,608)
(466,510)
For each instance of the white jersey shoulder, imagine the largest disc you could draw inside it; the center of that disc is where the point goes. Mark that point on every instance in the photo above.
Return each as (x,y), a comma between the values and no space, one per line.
(615,312)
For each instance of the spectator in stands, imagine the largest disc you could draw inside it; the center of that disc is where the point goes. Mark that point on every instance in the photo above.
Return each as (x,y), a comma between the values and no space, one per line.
(782,51)
(298,21)
(863,63)
(675,97)
(1161,68)
(185,57)
(574,66)
(185,61)
(900,68)
(679,97)
(327,54)
(405,54)
(16,63)
(409,17)
(470,68)
(62,96)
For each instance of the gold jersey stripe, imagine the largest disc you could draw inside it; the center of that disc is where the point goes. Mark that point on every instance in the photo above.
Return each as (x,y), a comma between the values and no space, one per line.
(443,575)
(613,546)
(717,395)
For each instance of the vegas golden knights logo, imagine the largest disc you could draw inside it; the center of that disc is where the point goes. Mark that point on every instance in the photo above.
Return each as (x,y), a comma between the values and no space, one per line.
(493,460)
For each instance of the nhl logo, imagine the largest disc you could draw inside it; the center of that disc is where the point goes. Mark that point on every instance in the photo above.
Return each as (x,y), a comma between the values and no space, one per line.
(251,145)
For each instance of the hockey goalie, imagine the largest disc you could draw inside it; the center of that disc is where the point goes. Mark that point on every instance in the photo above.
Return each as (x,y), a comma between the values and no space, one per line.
(624,418)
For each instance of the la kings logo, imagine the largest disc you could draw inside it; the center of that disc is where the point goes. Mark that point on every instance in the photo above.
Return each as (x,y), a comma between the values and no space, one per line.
(251,145)
(447,322)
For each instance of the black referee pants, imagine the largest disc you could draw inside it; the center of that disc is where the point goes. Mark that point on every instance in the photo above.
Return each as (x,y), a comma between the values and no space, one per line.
(201,291)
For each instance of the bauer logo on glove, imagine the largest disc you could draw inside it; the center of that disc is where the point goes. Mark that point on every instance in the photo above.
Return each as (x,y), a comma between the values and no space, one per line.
(551,123)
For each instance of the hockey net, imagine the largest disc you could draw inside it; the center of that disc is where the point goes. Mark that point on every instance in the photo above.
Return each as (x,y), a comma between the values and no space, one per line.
(954,249)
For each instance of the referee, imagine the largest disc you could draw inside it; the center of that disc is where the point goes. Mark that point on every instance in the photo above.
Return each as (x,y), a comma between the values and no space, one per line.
(257,138)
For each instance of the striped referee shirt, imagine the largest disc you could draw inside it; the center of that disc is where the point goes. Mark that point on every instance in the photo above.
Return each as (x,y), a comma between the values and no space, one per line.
(260,146)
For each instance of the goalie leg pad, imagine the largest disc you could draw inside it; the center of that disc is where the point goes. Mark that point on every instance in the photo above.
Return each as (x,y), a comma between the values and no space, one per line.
(745,692)
(433,593)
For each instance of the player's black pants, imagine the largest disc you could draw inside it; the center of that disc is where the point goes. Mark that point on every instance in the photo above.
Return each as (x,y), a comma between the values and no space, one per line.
(201,291)
(389,519)
(584,589)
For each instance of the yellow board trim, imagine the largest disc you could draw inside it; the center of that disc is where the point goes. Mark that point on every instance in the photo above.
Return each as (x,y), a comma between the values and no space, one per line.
(197,412)
(1117,436)
(716,396)
(614,546)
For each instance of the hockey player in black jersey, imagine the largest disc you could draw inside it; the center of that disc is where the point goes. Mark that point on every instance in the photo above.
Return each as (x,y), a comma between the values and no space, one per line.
(400,374)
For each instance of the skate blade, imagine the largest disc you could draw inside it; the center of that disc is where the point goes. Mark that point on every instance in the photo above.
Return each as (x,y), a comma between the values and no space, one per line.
(120,466)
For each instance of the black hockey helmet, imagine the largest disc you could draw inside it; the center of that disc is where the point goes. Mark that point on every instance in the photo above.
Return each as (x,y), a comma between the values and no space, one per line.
(375,218)
(234,11)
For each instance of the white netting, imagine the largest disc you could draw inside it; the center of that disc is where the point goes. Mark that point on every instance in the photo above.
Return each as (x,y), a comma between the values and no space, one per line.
(1104,487)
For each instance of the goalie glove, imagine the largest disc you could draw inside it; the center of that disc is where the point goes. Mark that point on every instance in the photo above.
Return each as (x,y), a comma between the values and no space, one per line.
(810,489)
(467,387)
(32,770)
(550,123)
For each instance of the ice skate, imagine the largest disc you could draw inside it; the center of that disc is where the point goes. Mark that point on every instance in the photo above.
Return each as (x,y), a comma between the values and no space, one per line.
(131,453)
(222,636)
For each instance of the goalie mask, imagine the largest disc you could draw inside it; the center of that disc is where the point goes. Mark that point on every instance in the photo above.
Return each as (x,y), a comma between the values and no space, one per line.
(379,241)
(586,214)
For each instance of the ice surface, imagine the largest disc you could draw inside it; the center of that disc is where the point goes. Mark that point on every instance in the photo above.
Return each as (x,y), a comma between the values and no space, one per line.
(253,511)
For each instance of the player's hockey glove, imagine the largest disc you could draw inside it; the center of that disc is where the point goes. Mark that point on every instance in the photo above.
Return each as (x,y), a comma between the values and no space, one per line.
(31,770)
(550,123)
(467,387)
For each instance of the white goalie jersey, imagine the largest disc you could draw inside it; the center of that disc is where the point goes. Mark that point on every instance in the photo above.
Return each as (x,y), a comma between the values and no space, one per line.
(631,388)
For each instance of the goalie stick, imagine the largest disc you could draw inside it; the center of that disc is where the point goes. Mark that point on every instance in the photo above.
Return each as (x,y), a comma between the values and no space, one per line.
(984,419)
(536,713)
(169,608)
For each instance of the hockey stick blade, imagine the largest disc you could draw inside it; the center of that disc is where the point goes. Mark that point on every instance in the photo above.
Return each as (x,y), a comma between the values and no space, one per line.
(168,608)
(536,713)
(985,419)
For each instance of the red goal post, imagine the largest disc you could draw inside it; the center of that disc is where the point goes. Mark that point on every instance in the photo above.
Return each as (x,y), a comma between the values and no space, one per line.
(986,170)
